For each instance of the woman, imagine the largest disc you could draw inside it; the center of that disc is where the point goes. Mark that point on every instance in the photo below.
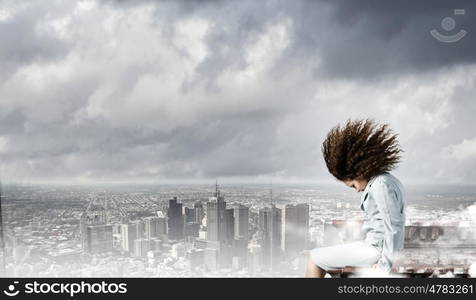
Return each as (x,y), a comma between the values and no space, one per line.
(361,154)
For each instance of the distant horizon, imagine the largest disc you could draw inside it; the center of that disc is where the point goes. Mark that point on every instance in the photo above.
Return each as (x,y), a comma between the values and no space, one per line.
(210,182)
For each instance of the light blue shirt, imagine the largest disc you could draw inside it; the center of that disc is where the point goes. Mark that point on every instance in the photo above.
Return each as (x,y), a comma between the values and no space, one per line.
(383,203)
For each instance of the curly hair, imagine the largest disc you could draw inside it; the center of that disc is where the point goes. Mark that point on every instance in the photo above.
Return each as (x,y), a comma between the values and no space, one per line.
(360,149)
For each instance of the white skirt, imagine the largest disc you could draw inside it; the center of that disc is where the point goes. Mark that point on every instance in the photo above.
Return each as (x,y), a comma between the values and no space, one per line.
(355,254)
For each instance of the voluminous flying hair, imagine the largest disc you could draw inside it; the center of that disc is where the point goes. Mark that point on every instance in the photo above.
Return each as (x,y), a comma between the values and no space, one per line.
(360,149)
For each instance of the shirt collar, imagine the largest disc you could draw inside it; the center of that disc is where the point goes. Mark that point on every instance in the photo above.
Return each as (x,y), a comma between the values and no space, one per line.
(366,190)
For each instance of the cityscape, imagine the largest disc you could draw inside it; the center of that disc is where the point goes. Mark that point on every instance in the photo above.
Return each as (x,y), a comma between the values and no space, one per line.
(215,231)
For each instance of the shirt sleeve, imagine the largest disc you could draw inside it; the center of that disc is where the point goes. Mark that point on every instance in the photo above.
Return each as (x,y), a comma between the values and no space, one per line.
(386,200)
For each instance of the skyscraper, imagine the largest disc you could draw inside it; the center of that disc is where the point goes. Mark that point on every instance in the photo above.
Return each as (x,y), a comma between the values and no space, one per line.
(213,219)
(161,224)
(190,215)
(151,227)
(296,228)
(270,236)
(128,236)
(241,222)
(98,238)
(198,212)
(175,220)
(140,229)
(216,217)
(220,228)
(229,226)
(94,214)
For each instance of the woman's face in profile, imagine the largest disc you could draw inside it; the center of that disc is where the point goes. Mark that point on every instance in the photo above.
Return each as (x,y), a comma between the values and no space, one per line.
(357,184)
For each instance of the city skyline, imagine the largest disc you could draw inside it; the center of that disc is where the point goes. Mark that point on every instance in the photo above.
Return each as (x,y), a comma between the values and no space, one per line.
(125,231)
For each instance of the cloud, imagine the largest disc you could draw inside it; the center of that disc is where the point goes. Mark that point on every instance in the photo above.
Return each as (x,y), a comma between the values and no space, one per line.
(373,38)
(25,39)
(3,143)
(463,151)
(166,89)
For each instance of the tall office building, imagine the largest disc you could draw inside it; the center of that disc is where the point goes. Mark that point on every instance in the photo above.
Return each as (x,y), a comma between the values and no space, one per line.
(175,220)
(229,226)
(151,225)
(128,236)
(94,214)
(241,222)
(137,249)
(213,219)
(296,228)
(270,236)
(140,229)
(216,217)
(161,224)
(190,215)
(220,229)
(98,238)
(199,213)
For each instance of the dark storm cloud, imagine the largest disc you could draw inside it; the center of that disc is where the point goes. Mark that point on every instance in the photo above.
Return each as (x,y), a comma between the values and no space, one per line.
(355,38)
(379,37)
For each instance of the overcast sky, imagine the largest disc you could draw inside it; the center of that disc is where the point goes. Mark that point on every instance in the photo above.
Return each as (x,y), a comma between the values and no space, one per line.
(174,91)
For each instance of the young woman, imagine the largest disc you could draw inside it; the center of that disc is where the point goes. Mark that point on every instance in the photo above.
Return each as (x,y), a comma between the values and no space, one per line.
(360,154)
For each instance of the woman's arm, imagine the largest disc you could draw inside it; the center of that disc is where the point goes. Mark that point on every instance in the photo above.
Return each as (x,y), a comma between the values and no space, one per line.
(387,204)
